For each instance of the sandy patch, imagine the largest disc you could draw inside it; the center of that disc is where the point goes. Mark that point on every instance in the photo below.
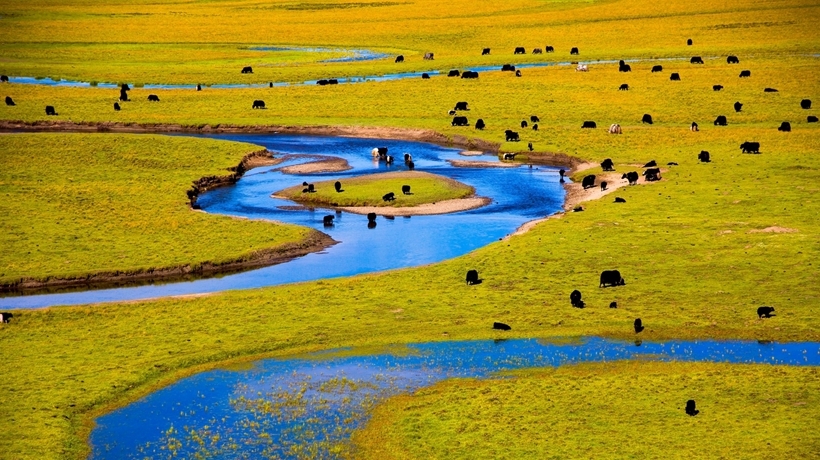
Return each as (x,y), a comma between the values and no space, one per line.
(319,166)
(577,195)
(440,207)
(471,153)
(775,229)
(482,164)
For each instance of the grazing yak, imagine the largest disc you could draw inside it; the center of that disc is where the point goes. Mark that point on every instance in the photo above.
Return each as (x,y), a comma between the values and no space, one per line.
(689,42)
(613,304)
(338,187)
(694,127)
(785,127)
(657,68)
(582,68)
(247,69)
(704,157)
(10,101)
(721,120)
(461,106)
(717,87)
(611,278)
(469,74)
(619,200)
(116,106)
(745,73)
(765,312)
(405,190)
(573,51)
(517,73)
(480,124)
(603,185)
(632,177)
(671,163)
(451,112)
(453,73)
(460,121)
(534,118)
(607,165)
(309,188)
(501,326)
(732,60)
(811,119)
(805,104)
(520,50)
(5,317)
(485,51)
(258,104)
(690,408)
(508,68)
(696,60)
(537,51)
(624,87)
(425,76)
(535,128)
(328,220)
(588,181)
(153,98)
(50,110)
(651,164)
(652,174)
(4,78)
(389,197)
(623,67)
(589,125)
(750,147)
(198,87)
(646,119)
(674,77)
(615,128)
(472,277)
(770,90)
(523,123)
(428,56)
(509,156)
(575,299)
(399,58)
(124,95)
(549,49)
(511,136)
(738,106)
(638,326)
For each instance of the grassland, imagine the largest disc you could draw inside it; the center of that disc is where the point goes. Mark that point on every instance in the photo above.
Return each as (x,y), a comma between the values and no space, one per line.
(615,410)
(368,190)
(697,249)
(89,204)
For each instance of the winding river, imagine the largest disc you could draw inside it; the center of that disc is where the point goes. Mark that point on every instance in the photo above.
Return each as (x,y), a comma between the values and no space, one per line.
(519,195)
(277,408)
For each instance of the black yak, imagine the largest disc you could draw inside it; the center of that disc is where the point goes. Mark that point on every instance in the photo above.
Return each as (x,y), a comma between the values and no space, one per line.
(611,278)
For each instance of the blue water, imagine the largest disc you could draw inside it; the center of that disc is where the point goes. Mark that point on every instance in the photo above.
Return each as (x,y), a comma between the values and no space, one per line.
(519,195)
(356,55)
(317,401)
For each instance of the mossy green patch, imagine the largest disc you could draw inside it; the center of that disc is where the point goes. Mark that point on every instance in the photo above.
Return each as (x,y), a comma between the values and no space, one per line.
(614,410)
(369,190)
(84,204)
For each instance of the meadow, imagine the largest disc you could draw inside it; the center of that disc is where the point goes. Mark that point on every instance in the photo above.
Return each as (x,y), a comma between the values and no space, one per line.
(700,250)
(90,204)
(746,411)
(368,190)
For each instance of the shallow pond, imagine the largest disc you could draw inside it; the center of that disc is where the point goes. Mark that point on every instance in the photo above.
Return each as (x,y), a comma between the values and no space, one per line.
(311,404)
(519,195)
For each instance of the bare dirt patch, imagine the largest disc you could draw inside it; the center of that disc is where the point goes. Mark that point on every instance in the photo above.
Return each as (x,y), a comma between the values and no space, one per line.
(440,207)
(481,164)
(331,164)
(775,229)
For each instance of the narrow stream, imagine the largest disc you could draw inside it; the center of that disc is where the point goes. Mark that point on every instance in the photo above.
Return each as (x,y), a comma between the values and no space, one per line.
(519,195)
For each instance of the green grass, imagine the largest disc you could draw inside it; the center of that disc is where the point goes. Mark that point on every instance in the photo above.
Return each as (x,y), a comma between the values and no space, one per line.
(614,410)
(107,203)
(368,190)
(689,247)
